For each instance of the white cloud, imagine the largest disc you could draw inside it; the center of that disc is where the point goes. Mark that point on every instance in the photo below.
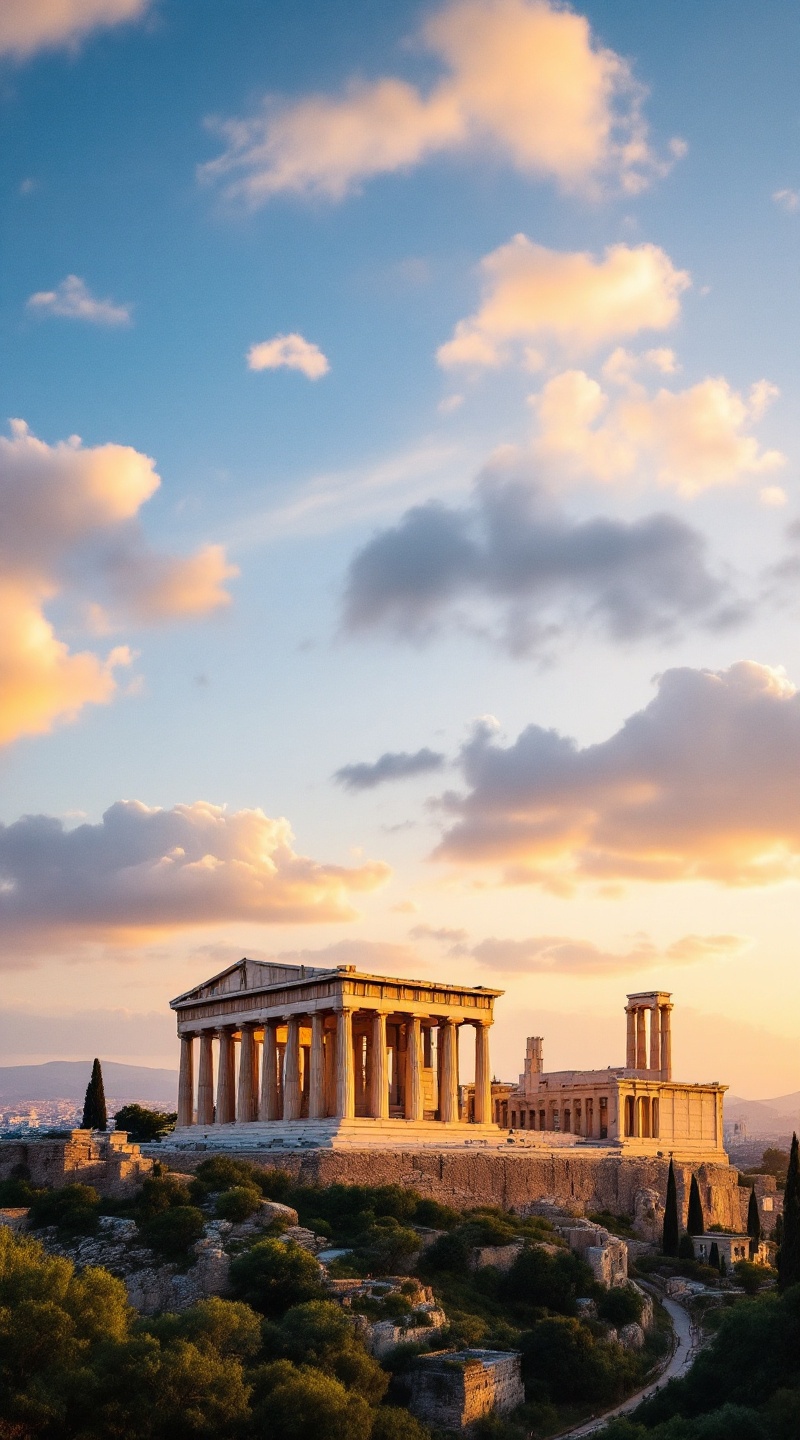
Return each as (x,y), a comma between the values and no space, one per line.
(563,955)
(523,79)
(59,502)
(291,352)
(788,200)
(702,784)
(144,872)
(73,301)
(30,25)
(568,299)
(688,440)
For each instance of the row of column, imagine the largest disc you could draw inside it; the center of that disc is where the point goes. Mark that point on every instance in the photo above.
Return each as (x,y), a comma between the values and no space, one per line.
(274,1091)
(660,1038)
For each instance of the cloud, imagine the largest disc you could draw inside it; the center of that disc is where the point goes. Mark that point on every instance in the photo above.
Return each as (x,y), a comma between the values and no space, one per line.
(702,784)
(143,872)
(788,200)
(69,532)
(289,352)
(390,766)
(30,25)
(523,80)
(560,955)
(72,300)
(443,935)
(513,550)
(381,956)
(534,296)
(688,440)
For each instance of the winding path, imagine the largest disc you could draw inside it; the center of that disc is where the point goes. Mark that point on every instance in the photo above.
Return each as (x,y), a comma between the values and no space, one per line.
(682,1357)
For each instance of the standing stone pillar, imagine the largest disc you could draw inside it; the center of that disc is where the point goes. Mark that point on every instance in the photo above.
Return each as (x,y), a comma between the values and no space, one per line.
(641,1040)
(316,1083)
(666,1043)
(345,1106)
(379,1070)
(292,1095)
(268,1108)
(630,1056)
(330,1071)
(205,1079)
(483,1076)
(226,1098)
(186,1082)
(448,1096)
(655,1038)
(415,1099)
(247,1102)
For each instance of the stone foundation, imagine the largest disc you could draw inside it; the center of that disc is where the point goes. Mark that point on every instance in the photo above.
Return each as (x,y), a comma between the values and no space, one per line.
(579,1181)
(103,1159)
(454,1389)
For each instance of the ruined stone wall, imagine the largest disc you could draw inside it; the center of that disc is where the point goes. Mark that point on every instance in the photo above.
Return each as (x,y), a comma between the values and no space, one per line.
(579,1181)
(83,1157)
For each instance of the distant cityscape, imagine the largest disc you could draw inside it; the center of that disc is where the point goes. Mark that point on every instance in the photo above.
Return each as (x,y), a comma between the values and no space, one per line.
(31,1117)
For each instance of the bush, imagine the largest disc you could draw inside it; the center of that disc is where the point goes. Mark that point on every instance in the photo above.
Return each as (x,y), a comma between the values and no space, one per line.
(434,1215)
(73,1208)
(172,1232)
(160,1193)
(238,1203)
(685,1247)
(305,1404)
(272,1276)
(143,1124)
(319,1333)
(621,1305)
(392,1423)
(562,1355)
(554,1281)
(750,1277)
(390,1248)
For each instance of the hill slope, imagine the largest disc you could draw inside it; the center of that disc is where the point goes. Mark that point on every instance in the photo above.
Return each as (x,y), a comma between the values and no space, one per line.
(67,1080)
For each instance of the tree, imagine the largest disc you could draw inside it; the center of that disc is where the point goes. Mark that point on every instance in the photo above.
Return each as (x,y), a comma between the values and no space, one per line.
(713,1256)
(695,1223)
(789,1253)
(95,1116)
(271,1277)
(144,1125)
(305,1404)
(753,1222)
(671,1235)
(686,1248)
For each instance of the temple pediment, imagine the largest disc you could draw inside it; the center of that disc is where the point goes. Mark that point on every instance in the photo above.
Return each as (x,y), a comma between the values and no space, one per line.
(247,975)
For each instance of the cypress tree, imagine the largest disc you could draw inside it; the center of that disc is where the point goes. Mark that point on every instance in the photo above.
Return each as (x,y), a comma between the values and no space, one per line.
(789,1254)
(713,1256)
(753,1222)
(671,1236)
(94,1106)
(695,1224)
(686,1248)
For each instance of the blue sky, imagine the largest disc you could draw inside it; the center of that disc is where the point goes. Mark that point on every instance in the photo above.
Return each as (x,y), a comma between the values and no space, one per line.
(248,690)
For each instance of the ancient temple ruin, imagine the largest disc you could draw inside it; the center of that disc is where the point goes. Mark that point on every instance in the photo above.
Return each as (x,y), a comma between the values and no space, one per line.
(327,1056)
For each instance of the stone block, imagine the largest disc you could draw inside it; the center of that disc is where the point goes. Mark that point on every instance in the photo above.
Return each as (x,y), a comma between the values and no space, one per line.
(453,1389)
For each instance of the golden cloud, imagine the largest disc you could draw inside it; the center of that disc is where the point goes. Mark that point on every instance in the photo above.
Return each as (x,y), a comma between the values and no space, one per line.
(703,784)
(536,296)
(524,79)
(144,872)
(57,501)
(30,25)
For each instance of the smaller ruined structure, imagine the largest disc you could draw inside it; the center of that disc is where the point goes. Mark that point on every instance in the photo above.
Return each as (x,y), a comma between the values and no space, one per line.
(452,1389)
(730,1248)
(108,1161)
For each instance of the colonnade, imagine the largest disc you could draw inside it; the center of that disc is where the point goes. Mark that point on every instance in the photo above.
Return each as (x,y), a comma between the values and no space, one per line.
(578,1115)
(637,1011)
(330,1063)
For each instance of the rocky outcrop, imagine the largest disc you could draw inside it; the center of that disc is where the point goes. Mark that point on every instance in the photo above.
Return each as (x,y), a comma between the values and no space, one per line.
(418,1325)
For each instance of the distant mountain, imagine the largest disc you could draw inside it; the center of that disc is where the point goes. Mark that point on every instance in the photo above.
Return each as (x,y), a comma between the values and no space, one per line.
(765,1117)
(67,1080)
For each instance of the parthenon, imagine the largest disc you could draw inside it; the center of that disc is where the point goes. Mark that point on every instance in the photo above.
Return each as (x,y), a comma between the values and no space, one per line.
(326,1055)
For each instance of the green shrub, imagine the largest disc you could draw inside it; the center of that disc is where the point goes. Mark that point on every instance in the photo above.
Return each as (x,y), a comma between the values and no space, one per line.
(144,1125)
(554,1281)
(435,1215)
(622,1305)
(271,1276)
(172,1232)
(238,1203)
(160,1193)
(73,1208)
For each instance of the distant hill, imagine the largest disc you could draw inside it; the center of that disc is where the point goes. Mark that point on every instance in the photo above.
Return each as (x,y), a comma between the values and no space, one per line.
(765,1117)
(67,1080)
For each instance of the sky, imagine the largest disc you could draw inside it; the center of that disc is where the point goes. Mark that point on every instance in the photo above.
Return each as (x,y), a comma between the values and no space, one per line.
(399,514)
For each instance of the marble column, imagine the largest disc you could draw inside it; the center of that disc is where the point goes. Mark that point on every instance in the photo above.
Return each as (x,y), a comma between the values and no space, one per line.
(630,1056)
(344,1065)
(378,1075)
(655,1038)
(483,1076)
(281,1048)
(666,1043)
(415,1098)
(316,1084)
(448,1097)
(226,1098)
(292,1097)
(641,1040)
(205,1079)
(186,1082)
(330,1071)
(247,1100)
(268,1108)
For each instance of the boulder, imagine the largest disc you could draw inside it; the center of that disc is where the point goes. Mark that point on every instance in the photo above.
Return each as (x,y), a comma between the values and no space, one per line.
(631,1337)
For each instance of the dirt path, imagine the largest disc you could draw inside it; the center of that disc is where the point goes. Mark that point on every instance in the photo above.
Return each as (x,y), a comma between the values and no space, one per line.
(682,1357)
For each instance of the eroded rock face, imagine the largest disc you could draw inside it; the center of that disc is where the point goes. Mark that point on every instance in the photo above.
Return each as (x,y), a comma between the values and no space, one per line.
(648,1214)
(631,1337)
